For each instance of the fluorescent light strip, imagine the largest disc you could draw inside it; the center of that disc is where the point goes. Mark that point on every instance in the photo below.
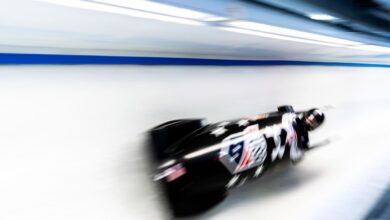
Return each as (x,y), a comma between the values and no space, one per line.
(322,17)
(279,37)
(155,7)
(365,47)
(372,48)
(123,11)
(289,32)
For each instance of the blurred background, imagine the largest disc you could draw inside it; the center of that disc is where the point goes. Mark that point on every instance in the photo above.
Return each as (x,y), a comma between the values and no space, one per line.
(81,81)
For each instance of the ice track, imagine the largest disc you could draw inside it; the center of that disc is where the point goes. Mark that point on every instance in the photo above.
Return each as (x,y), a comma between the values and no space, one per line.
(71,138)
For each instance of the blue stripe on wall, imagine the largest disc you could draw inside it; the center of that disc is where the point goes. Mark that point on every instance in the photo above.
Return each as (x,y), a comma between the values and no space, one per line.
(17,59)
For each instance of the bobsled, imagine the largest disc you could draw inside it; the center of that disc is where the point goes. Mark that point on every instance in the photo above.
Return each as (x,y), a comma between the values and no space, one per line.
(197,163)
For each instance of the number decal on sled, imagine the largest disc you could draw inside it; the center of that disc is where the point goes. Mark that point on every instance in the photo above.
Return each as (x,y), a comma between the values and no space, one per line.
(243,150)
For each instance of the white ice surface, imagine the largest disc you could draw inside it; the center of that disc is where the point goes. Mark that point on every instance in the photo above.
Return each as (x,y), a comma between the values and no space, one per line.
(71,138)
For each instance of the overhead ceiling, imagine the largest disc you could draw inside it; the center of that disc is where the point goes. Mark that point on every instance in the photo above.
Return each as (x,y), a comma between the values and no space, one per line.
(43,27)
(370,17)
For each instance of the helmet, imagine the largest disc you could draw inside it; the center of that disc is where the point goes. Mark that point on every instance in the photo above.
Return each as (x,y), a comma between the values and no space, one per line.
(313,119)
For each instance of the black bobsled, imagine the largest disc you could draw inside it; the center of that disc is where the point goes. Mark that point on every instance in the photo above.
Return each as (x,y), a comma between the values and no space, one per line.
(197,163)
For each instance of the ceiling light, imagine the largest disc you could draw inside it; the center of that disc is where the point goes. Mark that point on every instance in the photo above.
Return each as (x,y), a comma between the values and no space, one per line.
(322,17)
(289,32)
(154,7)
(373,48)
(279,37)
(89,5)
